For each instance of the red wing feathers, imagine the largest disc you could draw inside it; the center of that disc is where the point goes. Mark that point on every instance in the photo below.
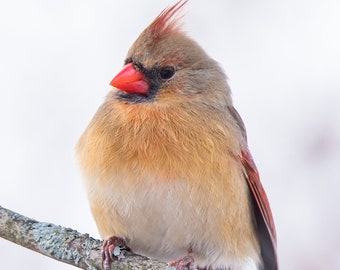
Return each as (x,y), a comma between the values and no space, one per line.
(263,215)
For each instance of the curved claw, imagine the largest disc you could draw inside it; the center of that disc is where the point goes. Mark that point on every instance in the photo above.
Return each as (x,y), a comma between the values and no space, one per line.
(107,252)
(186,262)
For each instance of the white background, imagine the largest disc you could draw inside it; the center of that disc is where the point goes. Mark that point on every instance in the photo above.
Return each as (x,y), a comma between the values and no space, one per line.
(282,58)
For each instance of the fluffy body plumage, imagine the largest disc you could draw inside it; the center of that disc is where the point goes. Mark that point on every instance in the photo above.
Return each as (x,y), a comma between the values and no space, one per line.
(168,170)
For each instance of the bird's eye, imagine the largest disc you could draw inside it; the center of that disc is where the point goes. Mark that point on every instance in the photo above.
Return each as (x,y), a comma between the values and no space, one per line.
(166,73)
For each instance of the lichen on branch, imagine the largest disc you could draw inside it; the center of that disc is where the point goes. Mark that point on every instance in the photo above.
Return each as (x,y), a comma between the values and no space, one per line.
(65,244)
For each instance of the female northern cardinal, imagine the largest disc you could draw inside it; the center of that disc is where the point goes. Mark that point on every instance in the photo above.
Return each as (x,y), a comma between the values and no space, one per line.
(168,171)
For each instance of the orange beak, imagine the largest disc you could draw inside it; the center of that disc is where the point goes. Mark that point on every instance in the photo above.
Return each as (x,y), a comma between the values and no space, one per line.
(130,80)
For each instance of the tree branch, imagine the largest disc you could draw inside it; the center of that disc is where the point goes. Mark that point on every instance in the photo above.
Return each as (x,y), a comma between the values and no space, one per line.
(64,244)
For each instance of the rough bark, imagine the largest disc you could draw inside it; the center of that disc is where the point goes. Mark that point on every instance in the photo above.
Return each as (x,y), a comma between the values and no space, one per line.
(65,244)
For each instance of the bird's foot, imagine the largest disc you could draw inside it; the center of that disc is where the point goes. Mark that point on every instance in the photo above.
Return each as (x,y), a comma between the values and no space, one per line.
(186,262)
(112,248)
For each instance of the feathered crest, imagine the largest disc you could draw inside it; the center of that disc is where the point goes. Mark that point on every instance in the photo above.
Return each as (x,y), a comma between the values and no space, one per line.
(168,19)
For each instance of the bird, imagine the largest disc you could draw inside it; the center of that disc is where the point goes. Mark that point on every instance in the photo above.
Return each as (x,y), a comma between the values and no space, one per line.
(166,164)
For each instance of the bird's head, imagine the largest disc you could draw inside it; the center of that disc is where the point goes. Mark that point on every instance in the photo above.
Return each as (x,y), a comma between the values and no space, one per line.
(164,65)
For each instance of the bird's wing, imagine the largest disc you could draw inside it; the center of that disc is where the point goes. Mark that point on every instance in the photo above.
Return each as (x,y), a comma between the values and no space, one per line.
(262,213)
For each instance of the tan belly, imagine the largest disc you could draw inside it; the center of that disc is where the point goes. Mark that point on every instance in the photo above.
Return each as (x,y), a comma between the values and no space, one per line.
(164,220)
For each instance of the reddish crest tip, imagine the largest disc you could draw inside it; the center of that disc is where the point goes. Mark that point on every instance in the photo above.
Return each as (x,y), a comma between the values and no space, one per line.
(168,19)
